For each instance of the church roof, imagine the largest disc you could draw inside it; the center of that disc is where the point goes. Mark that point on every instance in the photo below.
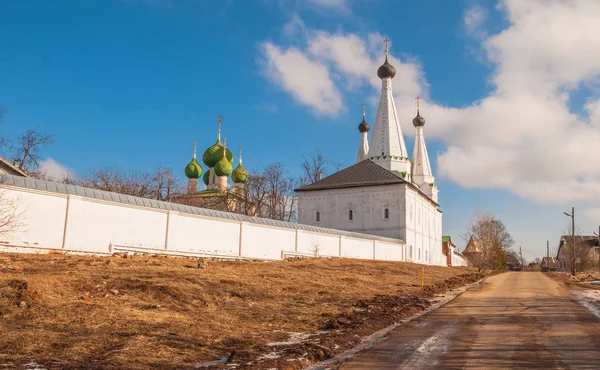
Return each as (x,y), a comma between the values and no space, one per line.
(364,173)
(11,169)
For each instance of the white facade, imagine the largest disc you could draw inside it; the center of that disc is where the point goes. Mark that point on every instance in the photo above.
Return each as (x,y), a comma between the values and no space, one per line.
(411,216)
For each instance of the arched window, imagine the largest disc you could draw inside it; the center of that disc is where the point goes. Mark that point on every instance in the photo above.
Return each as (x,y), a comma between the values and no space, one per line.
(350,215)
(317,216)
(386,213)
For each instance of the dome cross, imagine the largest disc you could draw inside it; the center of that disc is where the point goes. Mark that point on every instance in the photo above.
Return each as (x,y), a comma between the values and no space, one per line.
(386,41)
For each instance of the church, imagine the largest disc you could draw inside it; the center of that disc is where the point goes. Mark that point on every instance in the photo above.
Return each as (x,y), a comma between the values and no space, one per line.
(385,193)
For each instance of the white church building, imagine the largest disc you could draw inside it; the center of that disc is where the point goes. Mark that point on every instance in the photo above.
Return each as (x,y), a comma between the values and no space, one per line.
(385,193)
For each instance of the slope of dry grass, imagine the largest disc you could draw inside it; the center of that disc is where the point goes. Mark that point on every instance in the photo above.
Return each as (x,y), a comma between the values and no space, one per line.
(69,312)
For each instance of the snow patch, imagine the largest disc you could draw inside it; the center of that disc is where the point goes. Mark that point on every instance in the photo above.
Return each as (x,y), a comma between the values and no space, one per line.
(32,365)
(590,299)
(295,338)
(426,355)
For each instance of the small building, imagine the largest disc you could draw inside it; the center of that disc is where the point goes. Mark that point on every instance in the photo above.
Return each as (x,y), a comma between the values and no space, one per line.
(10,169)
(549,264)
(586,246)
(448,249)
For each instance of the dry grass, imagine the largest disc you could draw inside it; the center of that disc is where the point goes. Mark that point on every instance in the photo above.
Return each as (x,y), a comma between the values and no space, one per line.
(156,312)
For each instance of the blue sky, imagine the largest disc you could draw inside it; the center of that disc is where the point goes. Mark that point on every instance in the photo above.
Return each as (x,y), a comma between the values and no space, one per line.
(132,84)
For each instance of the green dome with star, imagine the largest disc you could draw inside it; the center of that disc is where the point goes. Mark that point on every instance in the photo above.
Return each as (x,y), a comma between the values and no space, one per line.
(223,167)
(239,175)
(214,154)
(193,170)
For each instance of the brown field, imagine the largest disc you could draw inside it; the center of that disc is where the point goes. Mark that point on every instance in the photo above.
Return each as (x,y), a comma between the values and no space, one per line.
(84,312)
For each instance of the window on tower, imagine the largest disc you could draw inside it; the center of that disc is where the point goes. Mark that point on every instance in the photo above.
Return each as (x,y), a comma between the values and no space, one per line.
(386,213)
(350,215)
(317,216)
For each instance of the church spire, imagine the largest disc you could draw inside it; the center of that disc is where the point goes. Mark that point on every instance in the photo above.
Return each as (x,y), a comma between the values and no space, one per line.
(387,147)
(363,128)
(422,175)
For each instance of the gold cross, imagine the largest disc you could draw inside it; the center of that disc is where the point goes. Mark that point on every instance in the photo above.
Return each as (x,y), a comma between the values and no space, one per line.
(195,147)
(386,41)
(418,99)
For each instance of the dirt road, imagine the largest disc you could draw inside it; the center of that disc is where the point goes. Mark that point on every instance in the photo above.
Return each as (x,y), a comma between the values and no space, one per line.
(513,320)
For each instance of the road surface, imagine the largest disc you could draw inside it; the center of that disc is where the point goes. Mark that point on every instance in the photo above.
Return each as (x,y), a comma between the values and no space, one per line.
(513,320)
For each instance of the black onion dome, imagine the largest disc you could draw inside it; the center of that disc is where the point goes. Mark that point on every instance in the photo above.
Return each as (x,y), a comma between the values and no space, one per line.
(364,126)
(418,121)
(386,70)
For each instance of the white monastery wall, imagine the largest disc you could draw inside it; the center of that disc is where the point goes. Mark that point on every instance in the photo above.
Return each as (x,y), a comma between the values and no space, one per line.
(265,242)
(80,224)
(388,252)
(314,243)
(196,234)
(41,229)
(93,226)
(358,248)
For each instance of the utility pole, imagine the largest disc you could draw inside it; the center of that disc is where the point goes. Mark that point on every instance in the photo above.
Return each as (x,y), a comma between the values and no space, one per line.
(598,235)
(573,258)
(521,255)
(548,249)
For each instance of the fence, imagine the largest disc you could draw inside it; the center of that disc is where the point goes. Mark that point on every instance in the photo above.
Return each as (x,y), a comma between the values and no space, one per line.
(82,220)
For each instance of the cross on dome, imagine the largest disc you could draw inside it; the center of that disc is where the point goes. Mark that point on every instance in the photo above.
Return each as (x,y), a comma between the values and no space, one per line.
(386,41)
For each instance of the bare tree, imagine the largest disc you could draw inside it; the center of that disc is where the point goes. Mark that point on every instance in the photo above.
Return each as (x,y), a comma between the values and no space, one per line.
(314,168)
(491,239)
(26,151)
(269,194)
(11,219)
(166,185)
(278,203)
(160,184)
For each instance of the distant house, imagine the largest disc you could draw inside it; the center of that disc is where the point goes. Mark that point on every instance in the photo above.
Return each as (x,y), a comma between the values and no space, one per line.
(549,264)
(450,251)
(472,250)
(589,242)
(447,249)
(512,262)
(10,169)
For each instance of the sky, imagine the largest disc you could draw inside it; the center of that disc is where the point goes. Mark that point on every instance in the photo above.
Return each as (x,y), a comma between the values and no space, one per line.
(510,88)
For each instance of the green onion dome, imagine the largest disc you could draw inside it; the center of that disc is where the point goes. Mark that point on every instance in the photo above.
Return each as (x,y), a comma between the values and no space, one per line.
(239,175)
(214,154)
(193,170)
(205,177)
(223,166)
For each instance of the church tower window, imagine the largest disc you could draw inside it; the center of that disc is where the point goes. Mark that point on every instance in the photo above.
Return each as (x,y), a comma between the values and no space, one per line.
(350,215)
(317,216)
(386,213)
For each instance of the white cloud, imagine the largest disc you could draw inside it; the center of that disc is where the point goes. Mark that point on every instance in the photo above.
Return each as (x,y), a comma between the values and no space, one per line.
(593,215)
(332,63)
(338,5)
(474,19)
(523,137)
(308,81)
(54,170)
